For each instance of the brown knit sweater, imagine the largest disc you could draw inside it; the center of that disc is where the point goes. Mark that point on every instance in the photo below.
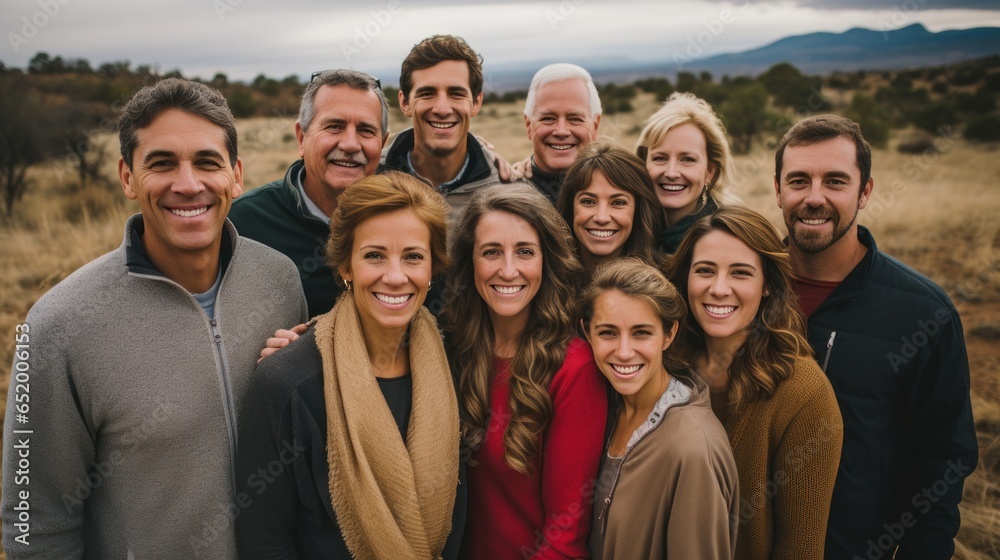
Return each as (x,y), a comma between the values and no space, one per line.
(787,452)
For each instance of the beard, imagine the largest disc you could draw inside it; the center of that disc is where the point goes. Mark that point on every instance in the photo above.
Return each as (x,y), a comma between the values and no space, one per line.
(817,241)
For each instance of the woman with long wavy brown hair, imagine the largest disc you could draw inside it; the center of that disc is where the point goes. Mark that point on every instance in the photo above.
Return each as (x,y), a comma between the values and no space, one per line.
(745,335)
(533,406)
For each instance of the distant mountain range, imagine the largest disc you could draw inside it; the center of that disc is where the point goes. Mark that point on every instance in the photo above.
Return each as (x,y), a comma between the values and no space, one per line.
(813,53)
(861,49)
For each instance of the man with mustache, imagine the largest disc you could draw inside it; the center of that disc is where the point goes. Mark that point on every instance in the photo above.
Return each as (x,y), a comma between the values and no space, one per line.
(342,125)
(891,343)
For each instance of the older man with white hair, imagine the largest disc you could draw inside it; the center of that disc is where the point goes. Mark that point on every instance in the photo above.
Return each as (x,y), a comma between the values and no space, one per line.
(561,114)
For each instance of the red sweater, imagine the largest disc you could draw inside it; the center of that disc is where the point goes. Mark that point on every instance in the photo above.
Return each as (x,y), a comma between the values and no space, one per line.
(547,515)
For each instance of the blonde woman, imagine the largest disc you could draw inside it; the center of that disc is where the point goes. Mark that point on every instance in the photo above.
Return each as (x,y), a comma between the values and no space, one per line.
(686,153)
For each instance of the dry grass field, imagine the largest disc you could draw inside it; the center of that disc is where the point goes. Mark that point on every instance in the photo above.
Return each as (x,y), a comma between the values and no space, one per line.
(936,211)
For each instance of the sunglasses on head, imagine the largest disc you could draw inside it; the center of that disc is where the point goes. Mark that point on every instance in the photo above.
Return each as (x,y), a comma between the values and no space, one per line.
(315,75)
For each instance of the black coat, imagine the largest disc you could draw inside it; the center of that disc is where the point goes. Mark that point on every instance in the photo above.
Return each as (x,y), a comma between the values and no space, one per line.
(892,345)
(282,474)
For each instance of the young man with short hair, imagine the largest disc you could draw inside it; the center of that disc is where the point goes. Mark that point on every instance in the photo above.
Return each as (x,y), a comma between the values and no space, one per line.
(441,90)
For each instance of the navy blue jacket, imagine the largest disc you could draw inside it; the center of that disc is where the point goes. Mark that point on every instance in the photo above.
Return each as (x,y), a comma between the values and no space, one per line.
(892,345)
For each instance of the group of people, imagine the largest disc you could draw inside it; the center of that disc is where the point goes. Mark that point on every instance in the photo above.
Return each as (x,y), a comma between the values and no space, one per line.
(610,358)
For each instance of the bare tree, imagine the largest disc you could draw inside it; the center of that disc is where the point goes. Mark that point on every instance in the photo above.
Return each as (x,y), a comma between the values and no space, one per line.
(21,138)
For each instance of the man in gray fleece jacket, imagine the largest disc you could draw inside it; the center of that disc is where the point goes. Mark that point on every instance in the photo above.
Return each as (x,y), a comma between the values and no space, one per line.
(128,377)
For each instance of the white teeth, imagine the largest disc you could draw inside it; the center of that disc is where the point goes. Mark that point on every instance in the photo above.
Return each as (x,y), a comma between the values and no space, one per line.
(561,146)
(600,232)
(814,222)
(673,188)
(190,213)
(508,290)
(625,370)
(392,300)
(346,163)
(443,125)
(720,310)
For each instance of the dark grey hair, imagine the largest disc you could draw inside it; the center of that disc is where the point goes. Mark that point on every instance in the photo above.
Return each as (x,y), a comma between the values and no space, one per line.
(173,93)
(350,78)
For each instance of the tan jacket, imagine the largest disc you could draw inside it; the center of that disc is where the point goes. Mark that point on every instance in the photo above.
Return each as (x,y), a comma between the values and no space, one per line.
(676,494)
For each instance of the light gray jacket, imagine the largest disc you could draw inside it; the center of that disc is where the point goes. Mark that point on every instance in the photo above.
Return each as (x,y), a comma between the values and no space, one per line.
(134,393)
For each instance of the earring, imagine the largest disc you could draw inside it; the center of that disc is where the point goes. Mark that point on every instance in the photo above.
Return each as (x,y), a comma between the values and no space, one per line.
(767,293)
(704,196)
(429,284)
(348,285)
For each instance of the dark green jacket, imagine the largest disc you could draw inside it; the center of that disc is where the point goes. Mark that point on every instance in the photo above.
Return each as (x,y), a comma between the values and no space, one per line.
(547,183)
(275,215)
(669,238)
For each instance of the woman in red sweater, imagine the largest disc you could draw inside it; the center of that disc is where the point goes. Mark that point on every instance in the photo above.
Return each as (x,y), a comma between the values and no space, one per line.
(533,405)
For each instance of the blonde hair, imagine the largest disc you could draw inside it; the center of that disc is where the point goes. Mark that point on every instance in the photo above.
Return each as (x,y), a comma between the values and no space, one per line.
(683,108)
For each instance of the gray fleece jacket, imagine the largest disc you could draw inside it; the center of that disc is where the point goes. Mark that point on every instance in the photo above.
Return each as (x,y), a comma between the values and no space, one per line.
(126,446)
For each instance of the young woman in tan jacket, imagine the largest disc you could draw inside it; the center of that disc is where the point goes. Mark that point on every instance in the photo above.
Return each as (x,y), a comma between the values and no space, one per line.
(668,484)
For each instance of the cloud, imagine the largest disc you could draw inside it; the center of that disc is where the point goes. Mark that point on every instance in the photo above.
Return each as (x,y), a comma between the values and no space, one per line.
(904,5)
(242,38)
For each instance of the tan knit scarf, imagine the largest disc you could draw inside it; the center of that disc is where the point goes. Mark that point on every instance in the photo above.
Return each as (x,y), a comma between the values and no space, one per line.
(392,500)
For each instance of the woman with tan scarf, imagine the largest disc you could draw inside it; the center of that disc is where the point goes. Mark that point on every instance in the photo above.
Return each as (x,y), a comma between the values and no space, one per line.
(349,437)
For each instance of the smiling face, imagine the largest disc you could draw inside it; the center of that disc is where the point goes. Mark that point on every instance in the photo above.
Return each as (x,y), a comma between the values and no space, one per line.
(628,341)
(680,169)
(725,287)
(344,140)
(390,267)
(602,219)
(507,266)
(820,194)
(441,105)
(562,124)
(184,183)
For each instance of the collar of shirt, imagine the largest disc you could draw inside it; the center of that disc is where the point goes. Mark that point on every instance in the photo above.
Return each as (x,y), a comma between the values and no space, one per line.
(310,205)
(443,188)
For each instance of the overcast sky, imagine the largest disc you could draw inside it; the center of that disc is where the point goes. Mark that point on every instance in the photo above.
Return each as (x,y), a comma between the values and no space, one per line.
(243,38)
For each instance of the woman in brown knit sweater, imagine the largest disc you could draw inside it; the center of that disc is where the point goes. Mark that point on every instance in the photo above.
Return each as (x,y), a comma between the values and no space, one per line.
(746,337)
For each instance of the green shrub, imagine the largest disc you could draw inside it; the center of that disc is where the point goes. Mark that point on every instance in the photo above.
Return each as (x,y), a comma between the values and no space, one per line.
(983,129)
